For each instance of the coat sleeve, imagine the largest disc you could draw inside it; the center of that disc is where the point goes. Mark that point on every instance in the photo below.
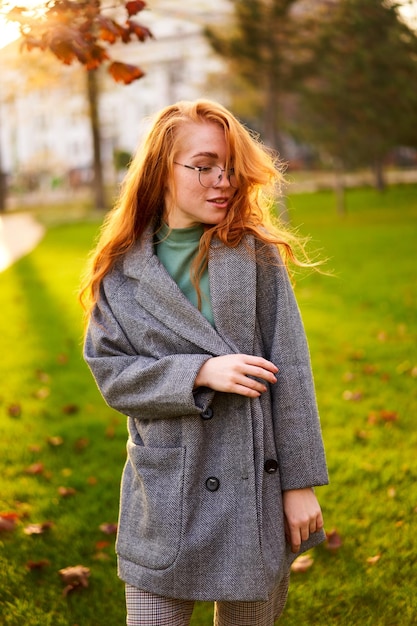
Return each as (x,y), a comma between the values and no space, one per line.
(294,408)
(140,386)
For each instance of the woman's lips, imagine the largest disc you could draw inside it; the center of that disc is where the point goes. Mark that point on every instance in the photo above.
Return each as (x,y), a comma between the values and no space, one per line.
(220,201)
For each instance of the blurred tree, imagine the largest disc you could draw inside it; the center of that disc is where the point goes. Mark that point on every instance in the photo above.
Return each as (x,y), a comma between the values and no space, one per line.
(259,48)
(83,30)
(121,159)
(23,73)
(359,96)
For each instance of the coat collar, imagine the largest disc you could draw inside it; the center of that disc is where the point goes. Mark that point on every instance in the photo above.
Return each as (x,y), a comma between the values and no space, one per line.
(233,296)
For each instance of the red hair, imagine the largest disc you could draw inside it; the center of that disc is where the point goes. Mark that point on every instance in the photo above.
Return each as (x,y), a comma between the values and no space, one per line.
(141,200)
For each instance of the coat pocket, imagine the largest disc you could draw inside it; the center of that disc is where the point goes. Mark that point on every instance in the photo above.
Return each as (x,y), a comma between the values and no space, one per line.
(151,506)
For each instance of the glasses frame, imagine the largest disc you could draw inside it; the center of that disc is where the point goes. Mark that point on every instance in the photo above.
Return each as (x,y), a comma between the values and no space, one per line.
(201,168)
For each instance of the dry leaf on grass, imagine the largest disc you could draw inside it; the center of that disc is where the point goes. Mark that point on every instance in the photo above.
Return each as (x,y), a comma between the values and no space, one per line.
(14,410)
(55,441)
(65,492)
(302,563)
(8,521)
(333,541)
(37,529)
(372,560)
(74,577)
(108,529)
(35,468)
(32,565)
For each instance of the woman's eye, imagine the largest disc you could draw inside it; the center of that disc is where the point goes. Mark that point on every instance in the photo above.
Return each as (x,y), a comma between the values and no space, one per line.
(205,168)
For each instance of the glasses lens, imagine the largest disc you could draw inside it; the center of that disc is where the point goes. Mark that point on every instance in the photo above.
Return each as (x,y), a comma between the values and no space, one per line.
(211,176)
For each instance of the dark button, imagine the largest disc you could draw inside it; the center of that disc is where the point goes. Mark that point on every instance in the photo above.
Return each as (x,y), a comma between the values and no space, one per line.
(207,414)
(212,483)
(271,466)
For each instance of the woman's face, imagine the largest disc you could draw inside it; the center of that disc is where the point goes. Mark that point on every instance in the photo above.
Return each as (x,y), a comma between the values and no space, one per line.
(200,145)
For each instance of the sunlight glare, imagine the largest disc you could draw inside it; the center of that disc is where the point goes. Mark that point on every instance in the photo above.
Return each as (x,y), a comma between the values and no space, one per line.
(9,31)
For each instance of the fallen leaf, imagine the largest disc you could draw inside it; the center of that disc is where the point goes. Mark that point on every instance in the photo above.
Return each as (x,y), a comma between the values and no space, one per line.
(101,556)
(64,492)
(100,545)
(383,415)
(35,468)
(108,529)
(82,443)
(70,409)
(92,480)
(302,563)
(8,521)
(42,393)
(361,434)
(333,541)
(37,564)
(352,396)
(74,577)
(373,559)
(37,529)
(55,441)
(110,432)
(43,376)
(391,492)
(14,410)
(389,416)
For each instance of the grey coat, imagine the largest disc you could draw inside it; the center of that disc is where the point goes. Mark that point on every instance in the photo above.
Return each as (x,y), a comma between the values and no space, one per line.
(201,511)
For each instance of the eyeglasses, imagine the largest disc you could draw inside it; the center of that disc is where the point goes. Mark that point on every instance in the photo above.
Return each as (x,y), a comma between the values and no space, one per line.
(210,176)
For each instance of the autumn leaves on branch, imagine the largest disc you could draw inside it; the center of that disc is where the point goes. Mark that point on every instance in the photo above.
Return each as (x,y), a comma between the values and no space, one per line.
(83,31)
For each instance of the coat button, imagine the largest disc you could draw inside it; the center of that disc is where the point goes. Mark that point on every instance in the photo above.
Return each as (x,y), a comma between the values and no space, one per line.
(271,466)
(207,414)
(212,483)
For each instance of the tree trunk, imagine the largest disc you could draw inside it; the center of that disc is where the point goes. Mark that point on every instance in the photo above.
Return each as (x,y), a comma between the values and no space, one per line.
(93,98)
(379,175)
(272,137)
(339,187)
(3,186)
(3,191)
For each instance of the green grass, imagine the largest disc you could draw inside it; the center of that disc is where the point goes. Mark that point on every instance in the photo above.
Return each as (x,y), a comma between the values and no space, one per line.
(362,328)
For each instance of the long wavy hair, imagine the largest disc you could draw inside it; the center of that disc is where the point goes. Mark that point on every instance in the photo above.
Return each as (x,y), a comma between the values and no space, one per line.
(141,201)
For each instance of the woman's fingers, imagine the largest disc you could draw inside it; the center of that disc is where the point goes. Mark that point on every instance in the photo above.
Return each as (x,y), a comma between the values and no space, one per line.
(302,516)
(237,373)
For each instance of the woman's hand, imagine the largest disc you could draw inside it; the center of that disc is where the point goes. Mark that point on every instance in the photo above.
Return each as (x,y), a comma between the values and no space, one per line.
(231,373)
(302,516)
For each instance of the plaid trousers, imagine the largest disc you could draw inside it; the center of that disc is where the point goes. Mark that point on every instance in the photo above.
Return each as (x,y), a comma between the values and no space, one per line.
(148,609)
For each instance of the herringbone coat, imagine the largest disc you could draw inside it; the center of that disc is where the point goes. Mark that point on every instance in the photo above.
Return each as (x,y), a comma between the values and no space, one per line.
(200,517)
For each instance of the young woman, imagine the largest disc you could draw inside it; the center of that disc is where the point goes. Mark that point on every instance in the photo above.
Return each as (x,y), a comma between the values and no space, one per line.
(195,335)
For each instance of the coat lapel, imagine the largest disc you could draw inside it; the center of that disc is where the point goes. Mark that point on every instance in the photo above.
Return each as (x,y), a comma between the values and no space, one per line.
(158,294)
(233,297)
(232,274)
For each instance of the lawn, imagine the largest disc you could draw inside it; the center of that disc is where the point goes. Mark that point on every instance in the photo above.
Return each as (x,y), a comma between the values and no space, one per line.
(62,449)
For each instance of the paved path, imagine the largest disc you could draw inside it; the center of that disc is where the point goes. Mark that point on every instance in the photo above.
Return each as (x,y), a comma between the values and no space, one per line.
(19,234)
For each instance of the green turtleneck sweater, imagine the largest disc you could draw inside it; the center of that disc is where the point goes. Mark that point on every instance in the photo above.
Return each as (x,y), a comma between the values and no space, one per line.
(176,249)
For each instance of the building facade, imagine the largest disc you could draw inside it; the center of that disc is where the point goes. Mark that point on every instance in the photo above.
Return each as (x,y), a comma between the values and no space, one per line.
(45,135)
